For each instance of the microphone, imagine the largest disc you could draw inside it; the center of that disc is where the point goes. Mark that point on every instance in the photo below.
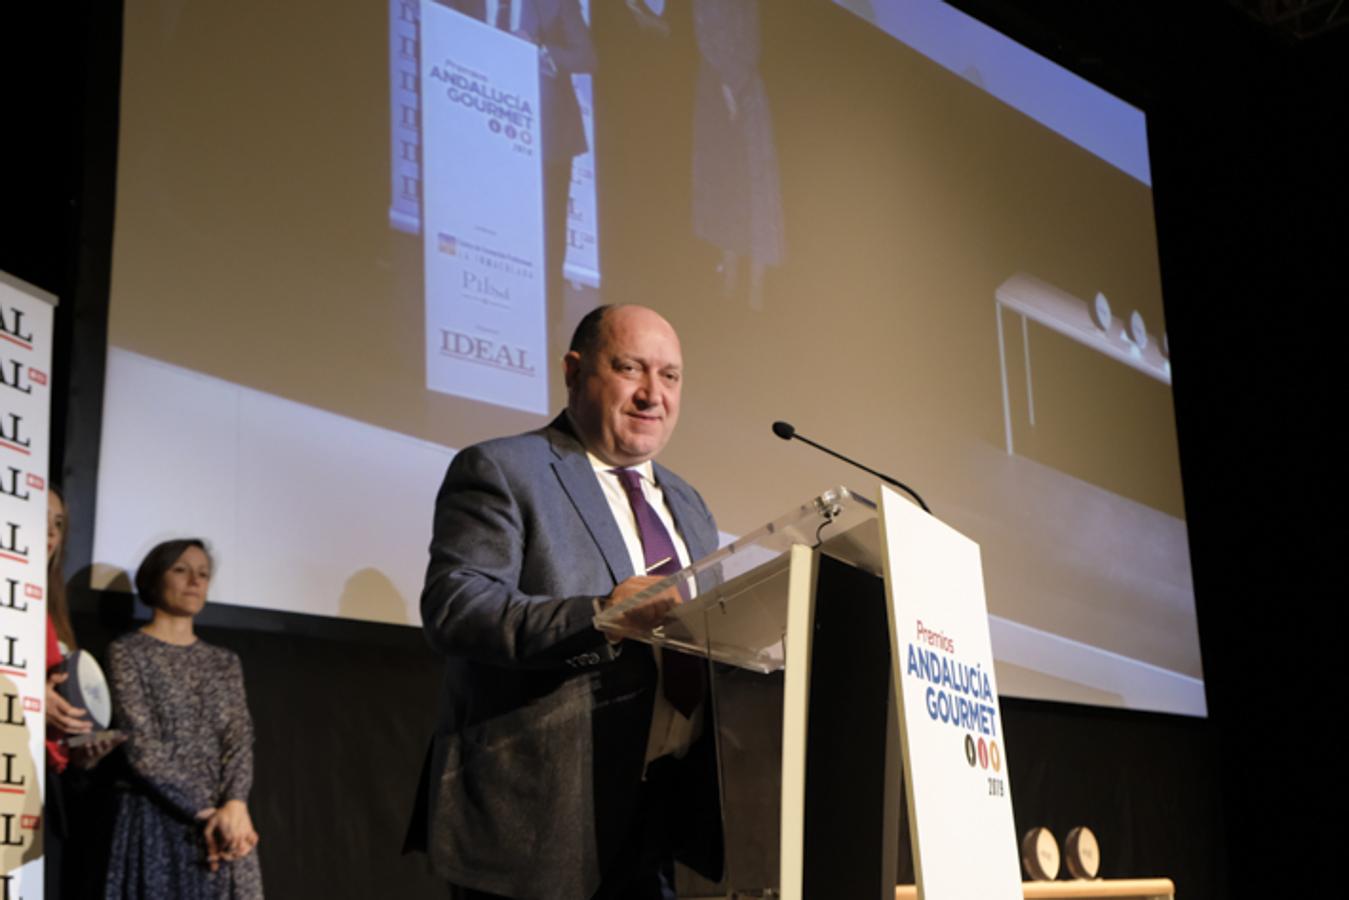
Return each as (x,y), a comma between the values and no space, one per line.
(787,431)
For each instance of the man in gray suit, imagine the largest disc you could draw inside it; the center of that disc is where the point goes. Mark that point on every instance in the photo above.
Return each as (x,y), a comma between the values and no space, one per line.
(567,765)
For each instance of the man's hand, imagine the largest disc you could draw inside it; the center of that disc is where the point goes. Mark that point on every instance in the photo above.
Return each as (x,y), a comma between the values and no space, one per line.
(62,715)
(652,611)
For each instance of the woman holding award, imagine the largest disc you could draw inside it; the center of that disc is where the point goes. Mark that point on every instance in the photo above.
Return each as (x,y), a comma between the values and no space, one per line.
(74,827)
(183,827)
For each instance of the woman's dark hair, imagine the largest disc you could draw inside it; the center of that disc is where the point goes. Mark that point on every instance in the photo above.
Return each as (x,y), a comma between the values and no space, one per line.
(150,575)
(58,606)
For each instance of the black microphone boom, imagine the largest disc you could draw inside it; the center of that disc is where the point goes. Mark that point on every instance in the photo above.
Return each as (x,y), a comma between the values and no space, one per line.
(787,431)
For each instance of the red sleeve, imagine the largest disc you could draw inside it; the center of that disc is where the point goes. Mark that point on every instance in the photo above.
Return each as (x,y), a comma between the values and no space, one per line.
(57,756)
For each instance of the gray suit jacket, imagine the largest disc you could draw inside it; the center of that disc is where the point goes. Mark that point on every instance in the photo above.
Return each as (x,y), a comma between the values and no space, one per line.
(540,742)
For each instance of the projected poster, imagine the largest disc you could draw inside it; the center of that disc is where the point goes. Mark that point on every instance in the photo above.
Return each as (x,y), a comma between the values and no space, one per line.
(482,233)
(436,179)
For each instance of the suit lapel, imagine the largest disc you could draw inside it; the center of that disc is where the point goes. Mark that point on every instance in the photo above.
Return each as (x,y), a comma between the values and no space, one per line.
(686,517)
(578,481)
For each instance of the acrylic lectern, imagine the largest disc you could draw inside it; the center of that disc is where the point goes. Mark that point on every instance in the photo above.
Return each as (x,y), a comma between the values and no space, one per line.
(793,618)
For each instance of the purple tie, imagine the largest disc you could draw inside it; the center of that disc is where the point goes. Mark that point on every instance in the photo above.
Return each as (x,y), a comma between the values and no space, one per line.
(684,675)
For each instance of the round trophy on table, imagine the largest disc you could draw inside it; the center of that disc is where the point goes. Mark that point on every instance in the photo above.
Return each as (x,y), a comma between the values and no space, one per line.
(1040,855)
(1082,853)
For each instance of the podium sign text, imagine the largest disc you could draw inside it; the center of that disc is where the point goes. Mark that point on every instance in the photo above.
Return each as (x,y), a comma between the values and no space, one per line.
(960,802)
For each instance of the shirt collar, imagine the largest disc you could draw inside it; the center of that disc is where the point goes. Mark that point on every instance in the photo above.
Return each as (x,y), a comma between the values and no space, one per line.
(646,470)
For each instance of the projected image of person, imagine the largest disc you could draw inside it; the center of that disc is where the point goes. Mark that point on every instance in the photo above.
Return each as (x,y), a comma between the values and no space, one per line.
(594,754)
(183,827)
(737,198)
(565,49)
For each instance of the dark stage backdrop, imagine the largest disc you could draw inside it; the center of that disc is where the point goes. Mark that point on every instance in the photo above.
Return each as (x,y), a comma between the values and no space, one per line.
(341,720)
(1250,195)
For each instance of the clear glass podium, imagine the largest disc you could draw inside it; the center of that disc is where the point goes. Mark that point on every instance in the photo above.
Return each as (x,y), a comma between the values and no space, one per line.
(793,617)
(731,606)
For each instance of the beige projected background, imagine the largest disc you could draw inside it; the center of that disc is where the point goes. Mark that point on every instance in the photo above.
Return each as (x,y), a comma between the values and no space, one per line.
(252,245)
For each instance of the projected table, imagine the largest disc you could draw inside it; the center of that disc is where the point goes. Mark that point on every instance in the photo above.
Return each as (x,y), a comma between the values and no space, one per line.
(1090,324)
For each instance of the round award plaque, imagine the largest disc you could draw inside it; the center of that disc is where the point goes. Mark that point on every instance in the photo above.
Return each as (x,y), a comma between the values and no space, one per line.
(1138,330)
(1100,312)
(1040,855)
(1082,853)
(87,688)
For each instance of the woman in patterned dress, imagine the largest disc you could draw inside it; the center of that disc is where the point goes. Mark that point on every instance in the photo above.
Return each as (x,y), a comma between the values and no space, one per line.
(183,828)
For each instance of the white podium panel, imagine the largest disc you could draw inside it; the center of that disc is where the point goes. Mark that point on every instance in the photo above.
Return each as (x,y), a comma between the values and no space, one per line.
(960,802)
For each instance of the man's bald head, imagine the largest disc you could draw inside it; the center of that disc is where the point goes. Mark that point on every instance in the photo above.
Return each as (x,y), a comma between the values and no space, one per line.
(624,374)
